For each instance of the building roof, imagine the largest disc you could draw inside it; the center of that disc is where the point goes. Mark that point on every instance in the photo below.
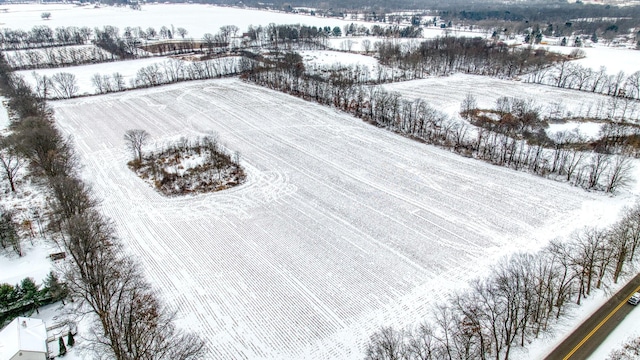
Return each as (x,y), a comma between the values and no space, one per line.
(23,334)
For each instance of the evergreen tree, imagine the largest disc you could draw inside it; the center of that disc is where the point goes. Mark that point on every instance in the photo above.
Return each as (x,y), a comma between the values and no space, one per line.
(594,38)
(55,289)
(62,351)
(8,296)
(70,340)
(31,293)
(563,42)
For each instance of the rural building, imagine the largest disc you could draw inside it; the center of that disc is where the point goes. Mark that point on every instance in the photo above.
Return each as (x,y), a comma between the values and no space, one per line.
(24,339)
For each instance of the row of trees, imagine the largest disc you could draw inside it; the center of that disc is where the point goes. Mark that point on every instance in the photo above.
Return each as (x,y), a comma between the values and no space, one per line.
(523,296)
(64,85)
(555,158)
(43,36)
(171,71)
(101,277)
(27,296)
(570,75)
(52,57)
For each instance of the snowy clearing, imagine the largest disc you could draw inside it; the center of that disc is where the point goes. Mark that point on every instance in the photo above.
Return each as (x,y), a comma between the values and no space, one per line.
(341,227)
(195,18)
(588,129)
(333,59)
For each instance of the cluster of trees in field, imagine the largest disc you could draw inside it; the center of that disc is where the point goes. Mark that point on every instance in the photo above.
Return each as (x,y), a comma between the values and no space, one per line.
(570,75)
(101,278)
(444,55)
(522,297)
(498,143)
(187,166)
(27,296)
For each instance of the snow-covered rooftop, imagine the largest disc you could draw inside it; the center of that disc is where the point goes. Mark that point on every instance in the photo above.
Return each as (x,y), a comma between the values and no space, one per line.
(23,334)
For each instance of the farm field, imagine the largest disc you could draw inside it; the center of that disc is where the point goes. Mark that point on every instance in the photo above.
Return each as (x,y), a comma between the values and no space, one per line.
(448,93)
(341,227)
(196,18)
(128,69)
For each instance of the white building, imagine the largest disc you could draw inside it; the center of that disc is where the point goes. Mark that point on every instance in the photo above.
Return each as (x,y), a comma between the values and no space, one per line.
(24,339)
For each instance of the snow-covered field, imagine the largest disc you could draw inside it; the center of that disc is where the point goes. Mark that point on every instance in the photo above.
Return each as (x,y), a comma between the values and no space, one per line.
(615,59)
(127,69)
(447,93)
(195,18)
(341,227)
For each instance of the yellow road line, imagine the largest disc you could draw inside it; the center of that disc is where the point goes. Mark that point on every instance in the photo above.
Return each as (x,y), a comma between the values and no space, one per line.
(598,327)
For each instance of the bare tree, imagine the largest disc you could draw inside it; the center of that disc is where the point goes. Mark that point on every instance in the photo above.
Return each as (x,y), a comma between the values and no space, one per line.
(66,84)
(366,45)
(620,173)
(98,82)
(136,139)
(11,160)
(386,344)
(182,32)
(469,103)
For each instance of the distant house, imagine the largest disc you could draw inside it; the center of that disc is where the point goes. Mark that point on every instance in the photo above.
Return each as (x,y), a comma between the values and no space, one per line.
(24,339)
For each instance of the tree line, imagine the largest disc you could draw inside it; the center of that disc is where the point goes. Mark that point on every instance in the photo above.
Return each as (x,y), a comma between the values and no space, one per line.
(133,323)
(522,297)
(41,36)
(570,75)
(445,55)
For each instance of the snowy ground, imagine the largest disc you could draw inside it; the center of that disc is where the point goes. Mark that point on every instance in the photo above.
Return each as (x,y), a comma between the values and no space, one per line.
(615,59)
(589,130)
(341,227)
(314,59)
(447,93)
(195,18)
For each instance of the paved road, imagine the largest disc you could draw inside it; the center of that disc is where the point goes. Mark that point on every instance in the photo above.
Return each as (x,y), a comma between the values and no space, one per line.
(586,339)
